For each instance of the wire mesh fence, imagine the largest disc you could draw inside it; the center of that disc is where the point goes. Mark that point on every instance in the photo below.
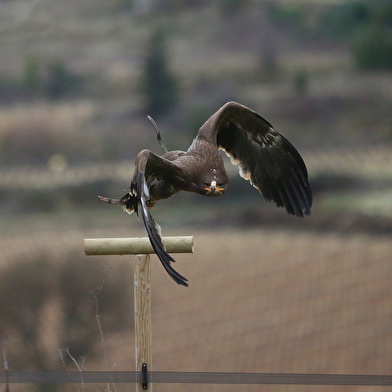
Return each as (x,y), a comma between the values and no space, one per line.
(196,378)
(282,306)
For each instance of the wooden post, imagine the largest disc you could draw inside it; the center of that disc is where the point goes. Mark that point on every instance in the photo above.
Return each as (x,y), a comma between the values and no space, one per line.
(143,335)
(140,247)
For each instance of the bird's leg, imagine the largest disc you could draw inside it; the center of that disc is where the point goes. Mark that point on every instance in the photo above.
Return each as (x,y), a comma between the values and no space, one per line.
(160,141)
(129,201)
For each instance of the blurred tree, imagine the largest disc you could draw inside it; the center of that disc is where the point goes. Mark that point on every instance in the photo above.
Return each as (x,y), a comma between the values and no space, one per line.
(372,47)
(31,80)
(174,6)
(160,85)
(59,81)
(268,41)
(197,116)
(344,19)
(231,7)
(126,5)
(301,82)
(286,14)
(9,89)
(367,24)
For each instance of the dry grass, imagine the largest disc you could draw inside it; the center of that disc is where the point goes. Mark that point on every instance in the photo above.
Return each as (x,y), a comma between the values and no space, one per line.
(64,117)
(277,302)
(264,301)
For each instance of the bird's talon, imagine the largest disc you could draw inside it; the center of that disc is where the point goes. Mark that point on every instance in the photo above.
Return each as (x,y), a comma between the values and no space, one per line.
(150,203)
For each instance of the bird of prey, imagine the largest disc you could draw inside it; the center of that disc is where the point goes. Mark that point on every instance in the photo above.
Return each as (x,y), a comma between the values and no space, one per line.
(265,157)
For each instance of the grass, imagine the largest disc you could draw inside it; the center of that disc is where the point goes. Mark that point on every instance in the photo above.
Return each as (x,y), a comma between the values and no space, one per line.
(371,202)
(261,301)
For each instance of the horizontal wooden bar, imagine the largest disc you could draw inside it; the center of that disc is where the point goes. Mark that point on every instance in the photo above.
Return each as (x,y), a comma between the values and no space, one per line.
(132,246)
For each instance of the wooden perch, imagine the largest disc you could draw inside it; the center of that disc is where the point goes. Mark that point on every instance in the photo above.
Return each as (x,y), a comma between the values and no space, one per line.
(134,246)
(141,247)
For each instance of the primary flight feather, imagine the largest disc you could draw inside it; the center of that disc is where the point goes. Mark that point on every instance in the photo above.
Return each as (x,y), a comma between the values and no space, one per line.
(264,157)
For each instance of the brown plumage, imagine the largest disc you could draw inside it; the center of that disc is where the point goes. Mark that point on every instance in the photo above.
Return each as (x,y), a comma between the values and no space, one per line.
(264,157)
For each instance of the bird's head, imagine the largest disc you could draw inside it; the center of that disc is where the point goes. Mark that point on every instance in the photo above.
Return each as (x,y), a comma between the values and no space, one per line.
(214,184)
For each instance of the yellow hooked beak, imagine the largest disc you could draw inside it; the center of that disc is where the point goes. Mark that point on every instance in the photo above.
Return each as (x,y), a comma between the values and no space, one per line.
(213,188)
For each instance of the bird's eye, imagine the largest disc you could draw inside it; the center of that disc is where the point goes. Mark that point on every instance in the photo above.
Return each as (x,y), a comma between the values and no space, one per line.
(220,185)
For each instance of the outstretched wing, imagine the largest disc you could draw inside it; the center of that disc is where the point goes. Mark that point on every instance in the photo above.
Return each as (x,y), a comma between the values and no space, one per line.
(265,157)
(149,167)
(154,232)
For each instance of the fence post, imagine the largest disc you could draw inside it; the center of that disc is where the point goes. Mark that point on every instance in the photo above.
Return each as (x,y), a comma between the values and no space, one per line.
(143,335)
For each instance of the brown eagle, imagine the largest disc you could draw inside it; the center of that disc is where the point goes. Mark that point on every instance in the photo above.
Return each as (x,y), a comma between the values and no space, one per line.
(265,157)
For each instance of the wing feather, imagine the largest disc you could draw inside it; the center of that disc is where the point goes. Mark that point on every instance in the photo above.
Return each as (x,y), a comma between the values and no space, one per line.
(154,233)
(151,167)
(152,228)
(264,156)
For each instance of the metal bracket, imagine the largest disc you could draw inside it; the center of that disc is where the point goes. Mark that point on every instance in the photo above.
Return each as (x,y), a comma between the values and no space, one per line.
(144,376)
